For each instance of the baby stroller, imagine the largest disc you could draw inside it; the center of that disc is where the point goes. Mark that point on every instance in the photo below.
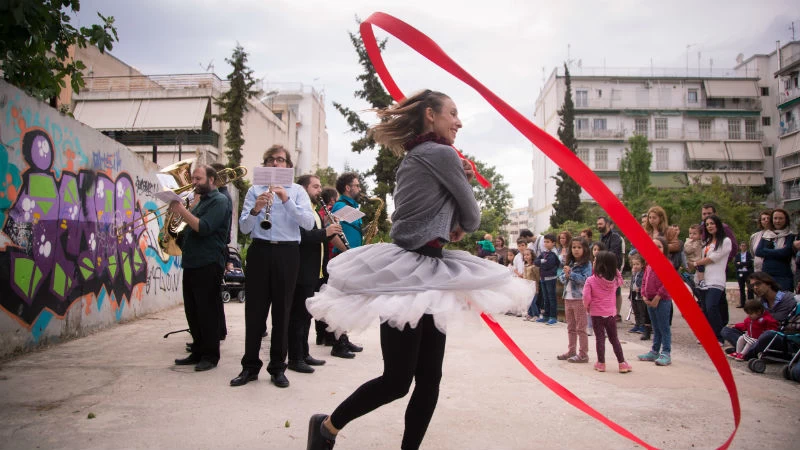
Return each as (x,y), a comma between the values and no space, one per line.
(233,277)
(788,332)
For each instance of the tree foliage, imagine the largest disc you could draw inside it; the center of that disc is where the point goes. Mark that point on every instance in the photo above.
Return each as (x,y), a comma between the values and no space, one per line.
(372,91)
(567,202)
(35,37)
(327,176)
(634,168)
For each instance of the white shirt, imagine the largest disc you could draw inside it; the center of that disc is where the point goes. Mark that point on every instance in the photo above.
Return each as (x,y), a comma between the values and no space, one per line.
(519,264)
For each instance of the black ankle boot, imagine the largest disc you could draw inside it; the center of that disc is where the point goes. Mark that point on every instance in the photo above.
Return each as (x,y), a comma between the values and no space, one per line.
(646,334)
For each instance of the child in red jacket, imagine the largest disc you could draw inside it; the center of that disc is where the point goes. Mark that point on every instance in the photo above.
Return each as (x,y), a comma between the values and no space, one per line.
(758,321)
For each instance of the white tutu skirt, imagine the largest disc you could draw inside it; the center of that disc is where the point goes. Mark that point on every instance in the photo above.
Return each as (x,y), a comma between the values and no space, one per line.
(397,286)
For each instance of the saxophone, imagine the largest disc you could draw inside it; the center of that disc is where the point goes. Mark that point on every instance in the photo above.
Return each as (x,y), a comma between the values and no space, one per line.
(372,228)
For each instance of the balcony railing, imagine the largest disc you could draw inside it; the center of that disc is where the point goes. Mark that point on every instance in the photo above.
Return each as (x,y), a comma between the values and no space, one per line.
(702,135)
(165,138)
(791,193)
(654,72)
(672,134)
(600,134)
(788,127)
(155,82)
(787,95)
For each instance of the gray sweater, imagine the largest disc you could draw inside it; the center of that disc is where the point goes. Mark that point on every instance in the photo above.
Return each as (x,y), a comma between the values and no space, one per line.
(432,197)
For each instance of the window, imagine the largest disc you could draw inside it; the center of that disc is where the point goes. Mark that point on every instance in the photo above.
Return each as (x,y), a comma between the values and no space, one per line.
(705,128)
(599,124)
(661,127)
(766,121)
(768,151)
(662,159)
(601,159)
(765,92)
(750,131)
(599,93)
(581,98)
(582,124)
(734,129)
(641,127)
(583,155)
(692,96)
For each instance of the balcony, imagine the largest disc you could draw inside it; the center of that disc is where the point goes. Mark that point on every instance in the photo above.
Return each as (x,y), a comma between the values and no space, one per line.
(788,95)
(788,127)
(155,82)
(791,193)
(707,135)
(147,138)
(600,134)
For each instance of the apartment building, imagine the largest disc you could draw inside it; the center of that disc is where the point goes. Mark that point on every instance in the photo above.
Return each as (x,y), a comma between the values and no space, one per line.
(518,219)
(700,125)
(168,118)
(788,112)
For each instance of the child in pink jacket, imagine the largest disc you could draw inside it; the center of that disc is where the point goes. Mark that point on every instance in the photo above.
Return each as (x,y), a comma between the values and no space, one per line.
(659,307)
(600,299)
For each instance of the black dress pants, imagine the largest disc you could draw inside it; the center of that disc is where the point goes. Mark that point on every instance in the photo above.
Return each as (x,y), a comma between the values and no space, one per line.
(269,280)
(201,304)
(299,323)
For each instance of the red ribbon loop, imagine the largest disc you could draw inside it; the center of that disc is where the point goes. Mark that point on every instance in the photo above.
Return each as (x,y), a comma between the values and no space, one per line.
(568,161)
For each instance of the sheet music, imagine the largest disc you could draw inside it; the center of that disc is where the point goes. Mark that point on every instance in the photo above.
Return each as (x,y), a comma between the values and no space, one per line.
(273,176)
(168,196)
(347,214)
(167,181)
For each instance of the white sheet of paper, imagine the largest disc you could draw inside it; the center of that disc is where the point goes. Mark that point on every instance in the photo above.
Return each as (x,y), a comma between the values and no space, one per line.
(273,176)
(347,214)
(168,196)
(167,181)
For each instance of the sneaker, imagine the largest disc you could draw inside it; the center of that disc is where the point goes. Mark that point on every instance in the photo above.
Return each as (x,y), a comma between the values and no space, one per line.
(552,321)
(578,359)
(541,320)
(624,367)
(589,332)
(317,440)
(733,355)
(528,318)
(600,367)
(739,357)
(663,360)
(649,356)
(635,329)
(565,356)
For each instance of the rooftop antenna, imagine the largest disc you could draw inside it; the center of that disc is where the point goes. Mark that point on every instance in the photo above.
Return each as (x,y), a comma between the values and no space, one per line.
(791,27)
(209,67)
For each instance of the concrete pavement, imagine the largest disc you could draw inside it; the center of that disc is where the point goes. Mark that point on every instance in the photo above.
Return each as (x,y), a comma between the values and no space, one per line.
(124,376)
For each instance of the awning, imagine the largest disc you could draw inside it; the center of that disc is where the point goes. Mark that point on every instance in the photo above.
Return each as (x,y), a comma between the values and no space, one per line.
(706,151)
(141,115)
(731,88)
(790,174)
(746,179)
(745,151)
(171,114)
(704,177)
(788,145)
(108,115)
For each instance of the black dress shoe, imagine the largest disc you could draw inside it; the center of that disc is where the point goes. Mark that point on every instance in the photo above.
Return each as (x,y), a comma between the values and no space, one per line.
(353,347)
(280,380)
(300,366)
(341,351)
(311,361)
(316,441)
(188,361)
(245,377)
(204,365)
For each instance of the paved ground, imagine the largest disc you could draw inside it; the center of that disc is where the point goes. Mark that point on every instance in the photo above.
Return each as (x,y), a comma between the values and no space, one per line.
(125,377)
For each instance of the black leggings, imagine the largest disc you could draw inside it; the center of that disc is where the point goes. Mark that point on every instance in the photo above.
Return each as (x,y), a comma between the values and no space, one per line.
(414,353)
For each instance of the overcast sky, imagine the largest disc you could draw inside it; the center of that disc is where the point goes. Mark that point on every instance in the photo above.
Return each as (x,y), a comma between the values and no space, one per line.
(507,45)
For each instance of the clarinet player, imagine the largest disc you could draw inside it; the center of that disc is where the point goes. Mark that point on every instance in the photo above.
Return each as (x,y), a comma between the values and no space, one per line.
(273,260)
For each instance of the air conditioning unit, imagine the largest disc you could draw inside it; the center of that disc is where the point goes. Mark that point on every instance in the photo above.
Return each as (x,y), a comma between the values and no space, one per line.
(648,84)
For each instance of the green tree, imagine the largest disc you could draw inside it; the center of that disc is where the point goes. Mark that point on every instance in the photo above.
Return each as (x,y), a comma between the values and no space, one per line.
(634,168)
(375,95)
(233,106)
(567,202)
(35,37)
(327,176)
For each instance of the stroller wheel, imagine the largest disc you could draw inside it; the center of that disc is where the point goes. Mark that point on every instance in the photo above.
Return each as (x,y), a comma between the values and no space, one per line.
(786,372)
(226,296)
(240,296)
(757,365)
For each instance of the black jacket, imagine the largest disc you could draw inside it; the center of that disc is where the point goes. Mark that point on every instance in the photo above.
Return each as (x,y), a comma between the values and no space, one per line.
(313,246)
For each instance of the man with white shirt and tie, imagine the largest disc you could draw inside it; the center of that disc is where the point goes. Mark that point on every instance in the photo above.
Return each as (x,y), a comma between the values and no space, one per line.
(273,260)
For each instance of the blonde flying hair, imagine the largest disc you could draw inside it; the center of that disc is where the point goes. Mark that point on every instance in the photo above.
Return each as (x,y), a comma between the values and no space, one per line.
(663,224)
(405,120)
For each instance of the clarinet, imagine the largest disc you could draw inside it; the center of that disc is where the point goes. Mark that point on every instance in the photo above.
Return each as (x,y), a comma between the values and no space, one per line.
(333,220)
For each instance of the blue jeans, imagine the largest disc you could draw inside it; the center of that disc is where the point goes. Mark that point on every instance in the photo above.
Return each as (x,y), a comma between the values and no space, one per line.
(716,310)
(533,310)
(662,334)
(549,294)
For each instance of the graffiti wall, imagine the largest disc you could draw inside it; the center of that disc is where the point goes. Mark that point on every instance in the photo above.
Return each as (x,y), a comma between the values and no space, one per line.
(75,254)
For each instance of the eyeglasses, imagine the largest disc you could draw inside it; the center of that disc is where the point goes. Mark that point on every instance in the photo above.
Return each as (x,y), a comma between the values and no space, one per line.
(271,159)
(355,185)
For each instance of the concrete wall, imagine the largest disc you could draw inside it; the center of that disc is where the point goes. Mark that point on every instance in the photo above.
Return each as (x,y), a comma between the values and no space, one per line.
(65,188)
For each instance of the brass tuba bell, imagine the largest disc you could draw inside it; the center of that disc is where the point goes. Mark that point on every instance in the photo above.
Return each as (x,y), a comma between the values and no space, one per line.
(181,171)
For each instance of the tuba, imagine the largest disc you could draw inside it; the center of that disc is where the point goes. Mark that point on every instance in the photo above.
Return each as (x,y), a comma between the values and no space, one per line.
(372,228)
(181,171)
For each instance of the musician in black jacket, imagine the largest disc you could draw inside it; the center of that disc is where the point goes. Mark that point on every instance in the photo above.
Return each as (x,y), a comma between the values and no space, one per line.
(313,271)
(744,267)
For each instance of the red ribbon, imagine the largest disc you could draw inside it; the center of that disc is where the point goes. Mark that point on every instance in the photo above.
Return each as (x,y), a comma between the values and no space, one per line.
(568,161)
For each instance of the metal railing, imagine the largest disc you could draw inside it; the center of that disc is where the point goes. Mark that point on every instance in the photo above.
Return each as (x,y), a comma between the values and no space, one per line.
(788,127)
(608,134)
(165,138)
(791,193)
(155,82)
(788,94)
(671,72)
(672,134)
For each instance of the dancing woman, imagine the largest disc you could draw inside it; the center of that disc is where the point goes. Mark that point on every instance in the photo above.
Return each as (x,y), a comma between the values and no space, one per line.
(412,285)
